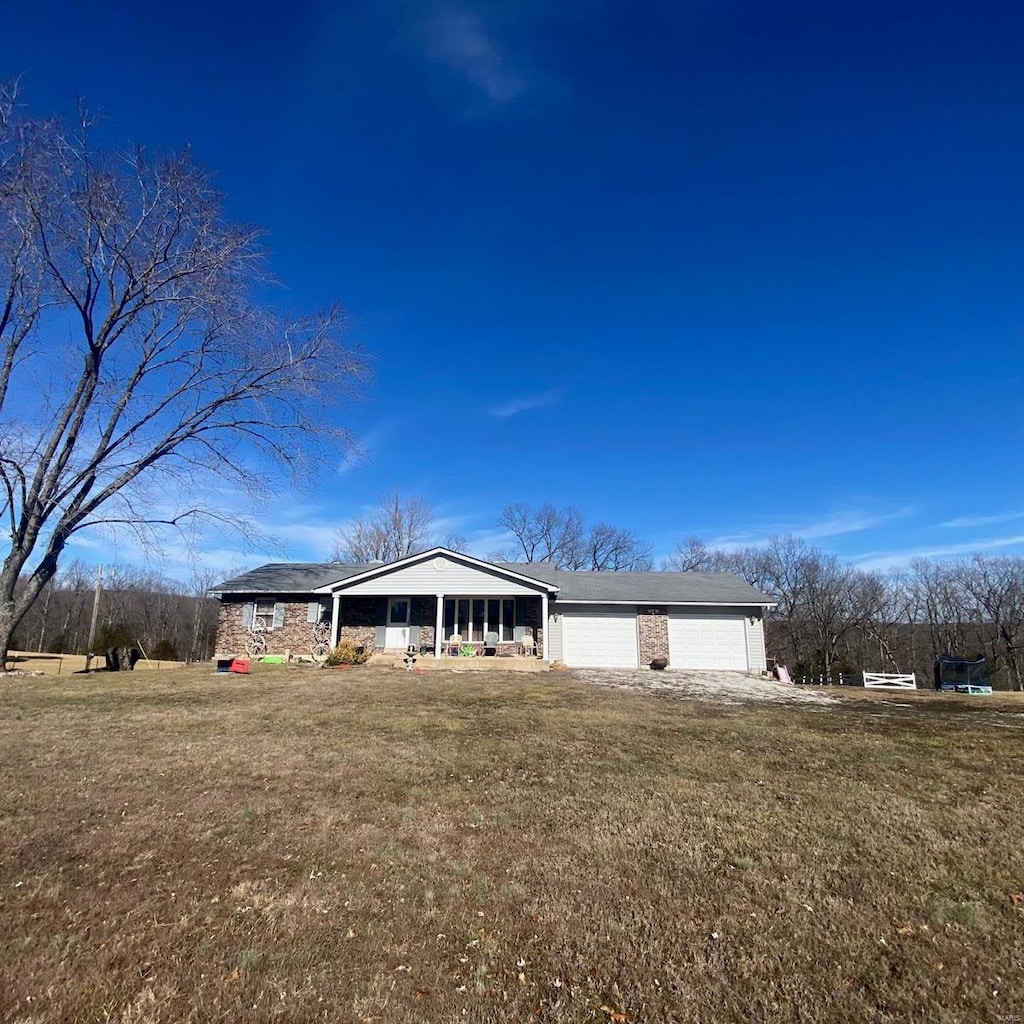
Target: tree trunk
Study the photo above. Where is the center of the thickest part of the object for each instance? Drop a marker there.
(6, 630)
(13, 607)
(43, 619)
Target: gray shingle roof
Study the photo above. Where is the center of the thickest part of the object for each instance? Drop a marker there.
(611, 587)
(645, 587)
(290, 577)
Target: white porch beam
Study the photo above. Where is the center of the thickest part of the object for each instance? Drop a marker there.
(544, 621)
(335, 616)
(439, 625)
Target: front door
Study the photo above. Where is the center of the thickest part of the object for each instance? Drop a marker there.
(396, 632)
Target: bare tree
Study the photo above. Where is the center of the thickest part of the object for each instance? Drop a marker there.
(562, 538)
(610, 548)
(454, 541)
(693, 555)
(203, 632)
(396, 528)
(888, 623)
(134, 363)
(544, 534)
(997, 585)
(837, 602)
(939, 596)
(822, 604)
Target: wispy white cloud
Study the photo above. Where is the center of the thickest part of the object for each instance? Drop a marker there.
(847, 522)
(457, 38)
(733, 541)
(834, 524)
(481, 543)
(968, 521)
(518, 405)
(899, 559)
(314, 540)
(87, 542)
(363, 446)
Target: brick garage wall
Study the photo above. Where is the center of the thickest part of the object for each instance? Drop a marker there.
(295, 634)
(652, 625)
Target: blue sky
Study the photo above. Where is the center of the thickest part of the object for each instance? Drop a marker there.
(725, 269)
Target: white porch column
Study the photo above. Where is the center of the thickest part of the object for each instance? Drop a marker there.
(544, 620)
(439, 625)
(335, 616)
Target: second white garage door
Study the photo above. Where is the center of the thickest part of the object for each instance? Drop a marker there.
(707, 641)
(600, 638)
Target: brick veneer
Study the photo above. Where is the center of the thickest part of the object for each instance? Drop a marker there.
(424, 614)
(295, 634)
(358, 623)
(652, 624)
(358, 620)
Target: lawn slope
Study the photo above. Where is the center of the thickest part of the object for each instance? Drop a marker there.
(303, 845)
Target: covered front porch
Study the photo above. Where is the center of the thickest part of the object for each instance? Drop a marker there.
(445, 605)
(463, 627)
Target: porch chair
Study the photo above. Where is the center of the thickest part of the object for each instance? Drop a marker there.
(490, 645)
(454, 644)
(529, 645)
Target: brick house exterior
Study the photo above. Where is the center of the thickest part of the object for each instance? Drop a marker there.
(595, 619)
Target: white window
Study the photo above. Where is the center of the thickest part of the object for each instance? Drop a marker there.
(474, 617)
(267, 614)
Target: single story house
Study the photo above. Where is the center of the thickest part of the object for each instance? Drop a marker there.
(588, 619)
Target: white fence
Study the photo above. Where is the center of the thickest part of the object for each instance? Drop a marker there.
(889, 681)
(872, 680)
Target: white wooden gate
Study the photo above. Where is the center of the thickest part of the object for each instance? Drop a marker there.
(890, 681)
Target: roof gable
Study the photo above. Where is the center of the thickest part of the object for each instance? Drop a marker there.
(429, 572)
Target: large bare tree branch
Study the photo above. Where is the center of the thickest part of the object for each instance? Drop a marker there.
(126, 291)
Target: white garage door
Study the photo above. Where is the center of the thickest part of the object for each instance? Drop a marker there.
(707, 641)
(600, 639)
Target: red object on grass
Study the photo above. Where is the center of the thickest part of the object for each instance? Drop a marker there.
(240, 665)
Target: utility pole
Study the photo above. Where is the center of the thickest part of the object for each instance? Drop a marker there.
(95, 615)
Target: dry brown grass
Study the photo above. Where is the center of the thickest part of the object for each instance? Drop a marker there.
(305, 845)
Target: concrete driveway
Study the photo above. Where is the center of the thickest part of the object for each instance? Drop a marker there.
(721, 687)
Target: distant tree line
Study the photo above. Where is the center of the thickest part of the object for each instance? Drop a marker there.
(167, 620)
(830, 618)
(833, 618)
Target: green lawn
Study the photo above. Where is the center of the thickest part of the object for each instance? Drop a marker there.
(305, 845)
